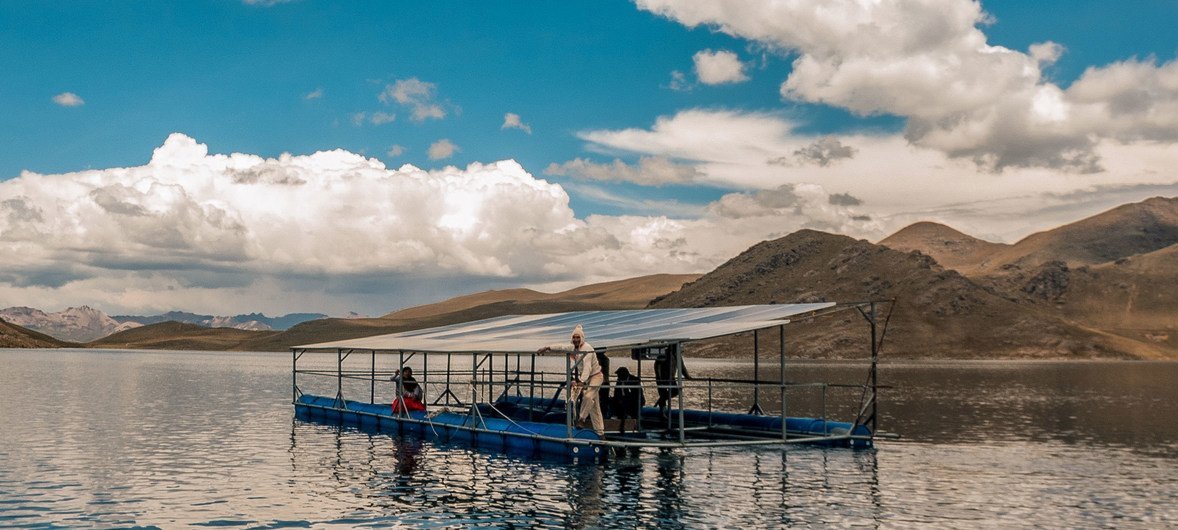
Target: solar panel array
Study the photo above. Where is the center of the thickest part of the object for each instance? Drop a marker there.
(603, 329)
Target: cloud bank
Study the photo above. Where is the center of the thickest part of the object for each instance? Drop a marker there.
(334, 231)
(928, 61)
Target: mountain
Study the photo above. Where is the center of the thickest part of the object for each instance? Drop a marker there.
(14, 336)
(938, 312)
(631, 293)
(1108, 272)
(178, 336)
(76, 324)
(251, 321)
(951, 249)
(1124, 231)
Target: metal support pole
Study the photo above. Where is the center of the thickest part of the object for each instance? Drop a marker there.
(339, 376)
(781, 351)
(679, 385)
(424, 376)
(294, 376)
(401, 382)
(372, 394)
(569, 401)
(532, 387)
(874, 370)
(474, 379)
(756, 408)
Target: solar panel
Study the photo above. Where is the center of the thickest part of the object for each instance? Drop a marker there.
(603, 329)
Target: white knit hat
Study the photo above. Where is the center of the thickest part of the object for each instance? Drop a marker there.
(579, 331)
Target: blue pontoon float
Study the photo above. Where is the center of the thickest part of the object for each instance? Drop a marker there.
(515, 405)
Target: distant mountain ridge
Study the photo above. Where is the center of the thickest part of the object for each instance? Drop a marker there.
(253, 321)
(85, 324)
(631, 293)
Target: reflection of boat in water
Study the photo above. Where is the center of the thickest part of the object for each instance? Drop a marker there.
(511, 403)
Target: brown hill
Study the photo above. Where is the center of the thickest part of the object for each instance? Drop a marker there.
(631, 293)
(174, 335)
(1124, 231)
(1105, 272)
(14, 336)
(622, 294)
(952, 249)
(938, 313)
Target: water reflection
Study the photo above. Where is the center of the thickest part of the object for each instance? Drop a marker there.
(122, 439)
(419, 481)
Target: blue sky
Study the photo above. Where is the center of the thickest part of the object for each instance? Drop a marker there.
(657, 137)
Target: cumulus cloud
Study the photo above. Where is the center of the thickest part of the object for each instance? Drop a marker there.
(395, 150)
(68, 99)
(650, 171)
(442, 149)
(314, 94)
(416, 95)
(929, 62)
(718, 67)
(512, 120)
(337, 231)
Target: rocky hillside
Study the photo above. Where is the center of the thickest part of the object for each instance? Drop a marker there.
(179, 336)
(14, 336)
(1109, 273)
(938, 312)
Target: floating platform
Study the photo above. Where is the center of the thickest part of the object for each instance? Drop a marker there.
(489, 403)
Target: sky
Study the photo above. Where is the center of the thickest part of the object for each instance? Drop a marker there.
(288, 156)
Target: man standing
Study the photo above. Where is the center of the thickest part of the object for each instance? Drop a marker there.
(587, 377)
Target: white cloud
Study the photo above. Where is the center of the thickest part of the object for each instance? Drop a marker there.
(381, 118)
(265, 3)
(336, 231)
(358, 118)
(718, 67)
(417, 95)
(512, 120)
(314, 94)
(395, 150)
(68, 99)
(442, 149)
(928, 61)
(679, 82)
(1046, 53)
(650, 171)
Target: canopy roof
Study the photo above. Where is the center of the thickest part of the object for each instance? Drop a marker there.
(603, 329)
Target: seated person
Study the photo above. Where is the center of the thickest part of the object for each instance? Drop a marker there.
(628, 396)
(411, 392)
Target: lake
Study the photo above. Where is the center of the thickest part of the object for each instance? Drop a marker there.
(110, 438)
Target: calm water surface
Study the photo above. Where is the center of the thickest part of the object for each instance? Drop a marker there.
(167, 439)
